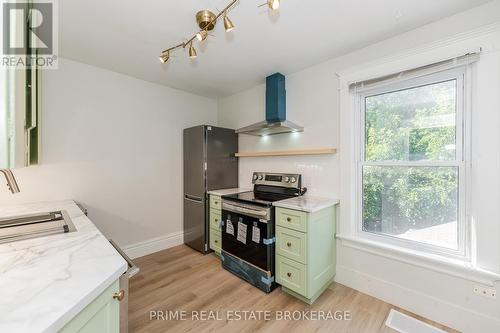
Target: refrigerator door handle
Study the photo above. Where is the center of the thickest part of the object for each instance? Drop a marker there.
(193, 198)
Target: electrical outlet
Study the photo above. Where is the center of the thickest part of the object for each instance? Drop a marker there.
(485, 291)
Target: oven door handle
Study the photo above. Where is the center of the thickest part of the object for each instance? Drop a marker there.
(132, 268)
(248, 211)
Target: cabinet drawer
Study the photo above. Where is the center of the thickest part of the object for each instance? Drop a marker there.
(215, 218)
(215, 202)
(292, 219)
(291, 274)
(215, 240)
(291, 244)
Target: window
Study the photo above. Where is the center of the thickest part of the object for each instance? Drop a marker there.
(411, 166)
(20, 108)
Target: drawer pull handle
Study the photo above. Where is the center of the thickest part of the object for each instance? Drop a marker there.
(289, 219)
(216, 202)
(216, 241)
(119, 295)
(288, 244)
(289, 274)
(216, 220)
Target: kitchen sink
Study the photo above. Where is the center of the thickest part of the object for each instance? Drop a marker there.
(35, 225)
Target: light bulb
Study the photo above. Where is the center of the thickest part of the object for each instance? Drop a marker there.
(273, 4)
(202, 35)
(164, 56)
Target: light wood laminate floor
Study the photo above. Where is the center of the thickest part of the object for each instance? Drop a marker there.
(180, 279)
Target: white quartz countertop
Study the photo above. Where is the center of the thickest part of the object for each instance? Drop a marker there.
(45, 282)
(306, 203)
(228, 191)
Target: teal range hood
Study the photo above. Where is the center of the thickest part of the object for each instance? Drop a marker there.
(276, 122)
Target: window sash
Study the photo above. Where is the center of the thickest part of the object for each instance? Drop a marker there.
(457, 62)
(454, 74)
(459, 75)
(415, 163)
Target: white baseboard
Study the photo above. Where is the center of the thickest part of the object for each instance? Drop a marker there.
(154, 245)
(451, 315)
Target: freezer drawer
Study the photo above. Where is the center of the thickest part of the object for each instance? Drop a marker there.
(195, 226)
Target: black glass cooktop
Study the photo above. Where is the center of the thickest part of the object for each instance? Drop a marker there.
(263, 198)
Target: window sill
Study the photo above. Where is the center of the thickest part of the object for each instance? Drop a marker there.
(452, 267)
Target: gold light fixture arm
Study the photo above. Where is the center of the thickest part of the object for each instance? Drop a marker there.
(174, 47)
(211, 22)
(206, 21)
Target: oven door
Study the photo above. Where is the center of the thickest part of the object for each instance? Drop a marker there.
(248, 233)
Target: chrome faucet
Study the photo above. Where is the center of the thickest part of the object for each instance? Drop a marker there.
(11, 180)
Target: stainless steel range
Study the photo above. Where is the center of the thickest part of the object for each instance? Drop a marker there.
(248, 230)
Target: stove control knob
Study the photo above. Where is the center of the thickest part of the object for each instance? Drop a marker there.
(261, 177)
(293, 179)
(287, 179)
(255, 176)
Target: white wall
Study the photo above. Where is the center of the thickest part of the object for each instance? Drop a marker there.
(114, 144)
(309, 103)
(3, 120)
(313, 101)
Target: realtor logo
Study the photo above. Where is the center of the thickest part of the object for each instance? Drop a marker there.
(29, 34)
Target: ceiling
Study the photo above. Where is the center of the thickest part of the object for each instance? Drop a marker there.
(128, 36)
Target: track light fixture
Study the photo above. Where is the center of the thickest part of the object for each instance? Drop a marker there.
(206, 22)
(228, 24)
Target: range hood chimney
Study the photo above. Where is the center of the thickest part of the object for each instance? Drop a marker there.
(276, 122)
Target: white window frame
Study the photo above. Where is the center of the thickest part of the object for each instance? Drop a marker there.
(462, 75)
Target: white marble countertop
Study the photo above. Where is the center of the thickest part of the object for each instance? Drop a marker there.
(228, 191)
(306, 203)
(45, 282)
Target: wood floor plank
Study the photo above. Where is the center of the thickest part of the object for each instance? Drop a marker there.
(181, 279)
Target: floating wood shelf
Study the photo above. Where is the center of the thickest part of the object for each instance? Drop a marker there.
(322, 151)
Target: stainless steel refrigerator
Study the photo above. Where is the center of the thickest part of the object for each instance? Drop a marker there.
(209, 164)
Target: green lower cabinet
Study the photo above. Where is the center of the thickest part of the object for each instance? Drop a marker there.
(215, 202)
(215, 223)
(215, 218)
(291, 244)
(102, 315)
(291, 274)
(215, 240)
(305, 252)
